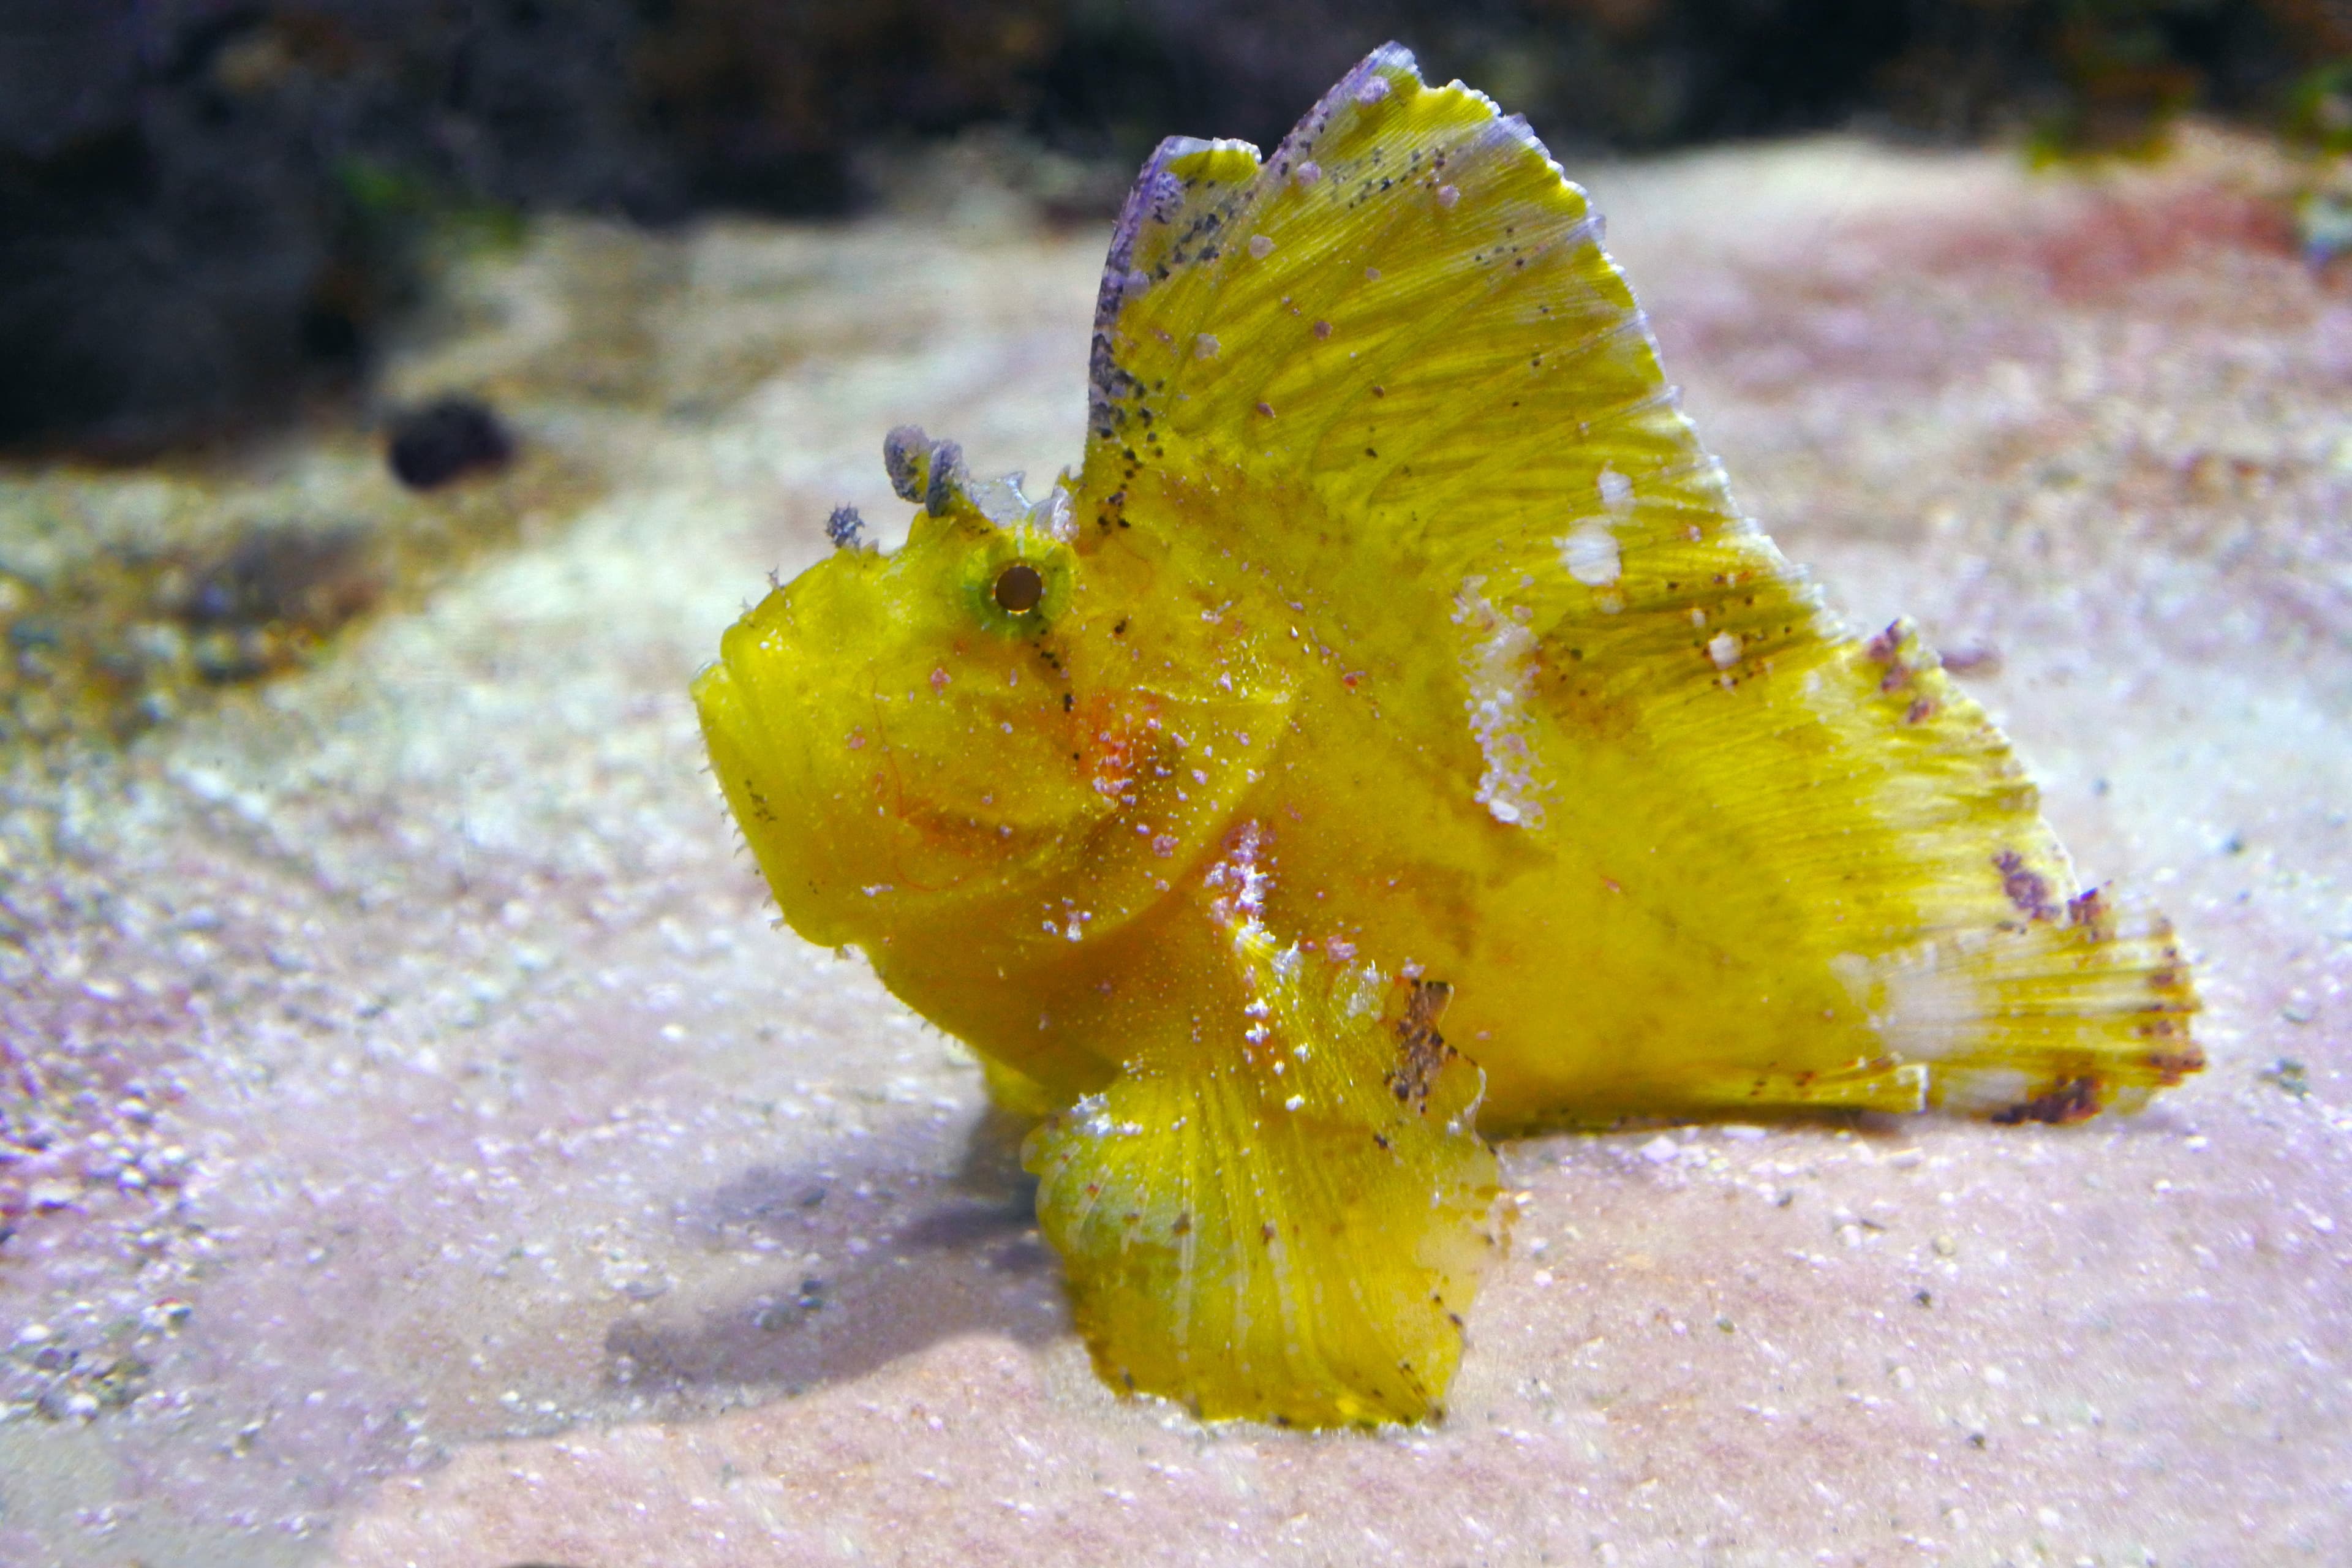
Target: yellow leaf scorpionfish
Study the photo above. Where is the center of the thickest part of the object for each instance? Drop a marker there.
(1392, 737)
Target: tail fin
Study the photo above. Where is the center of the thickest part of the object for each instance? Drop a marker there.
(2071, 1009)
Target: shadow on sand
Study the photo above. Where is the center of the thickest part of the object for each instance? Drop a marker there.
(873, 1264)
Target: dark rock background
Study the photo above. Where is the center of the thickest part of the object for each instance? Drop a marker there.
(210, 208)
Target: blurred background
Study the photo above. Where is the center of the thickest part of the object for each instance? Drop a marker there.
(211, 208)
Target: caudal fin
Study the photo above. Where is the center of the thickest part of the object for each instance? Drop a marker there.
(2074, 1008)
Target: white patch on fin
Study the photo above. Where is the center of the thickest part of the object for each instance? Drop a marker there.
(1590, 554)
(1498, 666)
(1923, 1002)
(1616, 490)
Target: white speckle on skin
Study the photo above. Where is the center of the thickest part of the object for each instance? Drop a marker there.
(1261, 246)
(1447, 195)
(1294, 1102)
(1616, 490)
(1204, 346)
(1374, 90)
(1237, 884)
(1590, 554)
(1723, 648)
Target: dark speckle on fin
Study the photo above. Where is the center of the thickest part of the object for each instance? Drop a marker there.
(2076, 1100)
(844, 527)
(2026, 887)
(1421, 1051)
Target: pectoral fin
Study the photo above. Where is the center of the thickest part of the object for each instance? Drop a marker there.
(1293, 1231)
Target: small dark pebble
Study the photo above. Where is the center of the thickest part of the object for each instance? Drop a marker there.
(2291, 1077)
(446, 440)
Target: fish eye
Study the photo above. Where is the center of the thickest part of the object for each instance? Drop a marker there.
(1019, 588)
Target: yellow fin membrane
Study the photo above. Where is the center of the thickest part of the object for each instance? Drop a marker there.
(1293, 1233)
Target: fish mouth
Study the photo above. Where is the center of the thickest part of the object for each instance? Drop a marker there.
(880, 782)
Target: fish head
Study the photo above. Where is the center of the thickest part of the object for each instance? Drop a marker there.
(896, 731)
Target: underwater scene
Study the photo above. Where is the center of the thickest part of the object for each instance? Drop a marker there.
(1302, 783)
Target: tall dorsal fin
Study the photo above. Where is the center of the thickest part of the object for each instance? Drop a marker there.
(1406, 309)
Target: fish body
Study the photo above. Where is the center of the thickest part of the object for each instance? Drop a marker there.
(1390, 736)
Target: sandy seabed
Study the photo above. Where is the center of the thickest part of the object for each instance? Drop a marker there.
(465, 1172)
